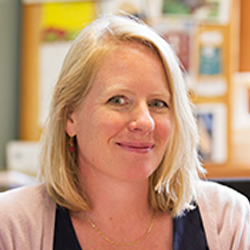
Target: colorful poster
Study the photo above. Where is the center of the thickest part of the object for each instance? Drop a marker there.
(187, 7)
(179, 34)
(214, 10)
(60, 24)
(212, 125)
(210, 66)
(180, 42)
(210, 60)
(62, 21)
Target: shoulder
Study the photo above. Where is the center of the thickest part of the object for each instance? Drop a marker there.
(26, 214)
(25, 199)
(208, 192)
(225, 214)
(221, 201)
(22, 192)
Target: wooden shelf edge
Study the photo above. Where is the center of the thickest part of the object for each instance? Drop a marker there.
(228, 171)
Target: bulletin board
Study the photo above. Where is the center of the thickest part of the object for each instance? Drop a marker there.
(210, 56)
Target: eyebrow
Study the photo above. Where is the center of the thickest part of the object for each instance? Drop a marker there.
(164, 93)
(122, 88)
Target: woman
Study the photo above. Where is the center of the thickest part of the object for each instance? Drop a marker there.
(119, 156)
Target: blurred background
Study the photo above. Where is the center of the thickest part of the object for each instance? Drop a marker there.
(210, 37)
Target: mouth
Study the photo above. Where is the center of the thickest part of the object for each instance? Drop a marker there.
(136, 147)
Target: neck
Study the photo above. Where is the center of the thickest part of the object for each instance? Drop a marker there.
(120, 208)
(114, 198)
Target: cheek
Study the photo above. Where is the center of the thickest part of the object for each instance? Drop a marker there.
(106, 124)
(114, 120)
(164, 129)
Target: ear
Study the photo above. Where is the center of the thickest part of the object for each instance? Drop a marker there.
(70, 126)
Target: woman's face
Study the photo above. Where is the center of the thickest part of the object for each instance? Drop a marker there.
(124, 124)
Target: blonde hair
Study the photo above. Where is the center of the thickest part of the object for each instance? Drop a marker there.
(172, 185)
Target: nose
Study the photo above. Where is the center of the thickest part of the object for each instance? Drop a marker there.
(141, 120)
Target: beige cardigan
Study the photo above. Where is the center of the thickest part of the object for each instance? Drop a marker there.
(27, 218)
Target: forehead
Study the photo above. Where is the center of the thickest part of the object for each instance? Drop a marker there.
(123, 53)
(130, 63)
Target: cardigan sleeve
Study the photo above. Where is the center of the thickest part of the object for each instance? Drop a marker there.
(26, 219)
(226, 216)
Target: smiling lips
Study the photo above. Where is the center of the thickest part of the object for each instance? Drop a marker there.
(137, 147)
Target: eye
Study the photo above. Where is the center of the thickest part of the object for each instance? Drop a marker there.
(118, 100)
(159, 104)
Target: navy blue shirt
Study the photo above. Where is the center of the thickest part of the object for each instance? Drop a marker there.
(189, 233)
